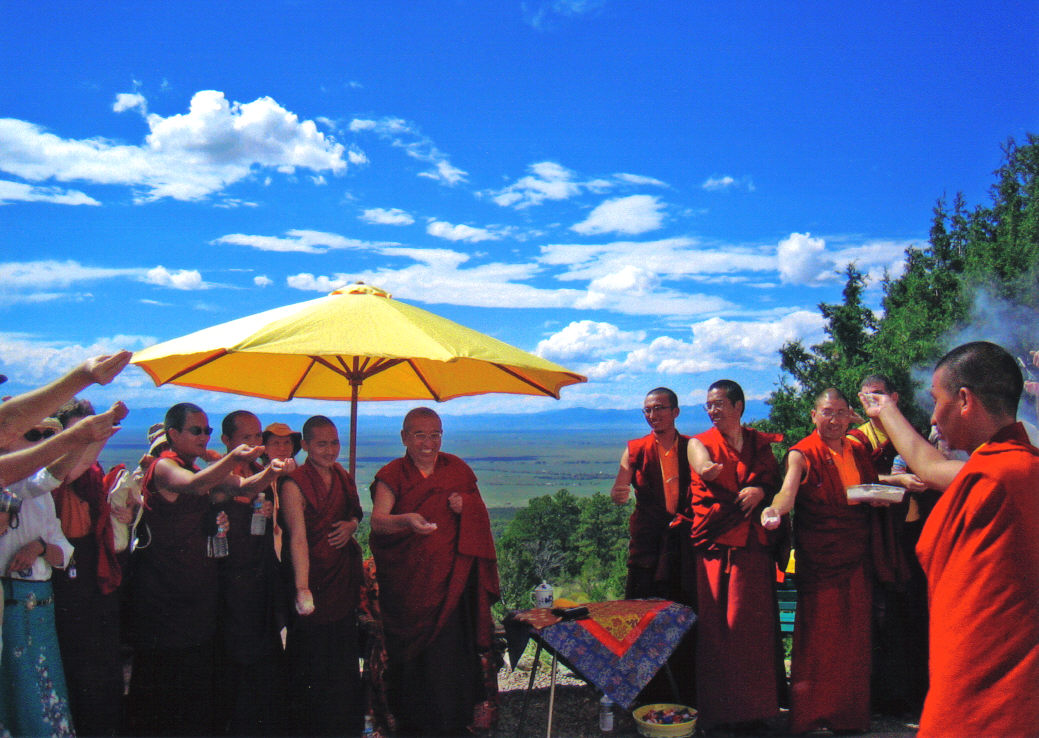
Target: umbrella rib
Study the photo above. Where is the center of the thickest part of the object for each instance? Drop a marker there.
(432, 393)
(526, 380)
(302, 377)
(197, 364)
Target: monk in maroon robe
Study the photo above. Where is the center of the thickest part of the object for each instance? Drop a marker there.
(173, 604)
(438, 577)
(321, 511)
(979, 547)
(734, 472)
(840, 547)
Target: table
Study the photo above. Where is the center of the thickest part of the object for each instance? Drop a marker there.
(618, 648)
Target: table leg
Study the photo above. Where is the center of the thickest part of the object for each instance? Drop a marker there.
(530, 685)
(551, 696)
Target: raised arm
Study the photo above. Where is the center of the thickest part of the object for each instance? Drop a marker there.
(291, 500)
(621, 489)
(783, 502)
(171, 477)
(927, 462)
(22, 412)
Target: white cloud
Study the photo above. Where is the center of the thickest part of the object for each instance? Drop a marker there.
(309, 283)
(130, 101)
(544, 14)
(296, 240)
(29, 360)
(20, 192)
(629, 279)
(384, 216)
(262, 280)
(717, 184)
(631, 215)
(587, 339)
(186, 156)
(639, 180)
(43, 275)
(547, 181)
(407, 136)
(460, 232)
(180, 279)
(357, 157)
(804, 260)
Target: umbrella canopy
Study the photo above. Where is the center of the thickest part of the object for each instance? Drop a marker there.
(353, 344)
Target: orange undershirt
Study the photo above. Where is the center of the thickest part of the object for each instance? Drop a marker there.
(669, 471)
(846, 467)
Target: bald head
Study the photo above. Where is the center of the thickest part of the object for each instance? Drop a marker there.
(989, 371)
(831, 394)
(416, 414)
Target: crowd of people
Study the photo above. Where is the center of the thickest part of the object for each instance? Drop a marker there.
(928, 604)
(238, 581)
(240, 592)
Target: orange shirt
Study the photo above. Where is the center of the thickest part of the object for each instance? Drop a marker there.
(846, 467)
(669, 470)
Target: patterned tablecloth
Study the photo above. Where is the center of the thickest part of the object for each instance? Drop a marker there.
(618, 647)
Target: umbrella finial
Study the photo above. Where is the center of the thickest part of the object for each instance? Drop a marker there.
(360, 288)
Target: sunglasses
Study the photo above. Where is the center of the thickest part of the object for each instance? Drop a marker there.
(35, 434)
(198, 430)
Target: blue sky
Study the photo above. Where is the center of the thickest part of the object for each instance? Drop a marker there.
(645, 192)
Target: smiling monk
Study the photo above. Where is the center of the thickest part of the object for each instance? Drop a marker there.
(438, 577)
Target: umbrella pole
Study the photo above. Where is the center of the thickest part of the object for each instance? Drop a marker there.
(354, 390)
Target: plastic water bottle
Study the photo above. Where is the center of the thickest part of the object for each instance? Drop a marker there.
(216, 545)
(606, 715)
(258, 523)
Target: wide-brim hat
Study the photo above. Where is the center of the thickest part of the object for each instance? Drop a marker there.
(281, 430)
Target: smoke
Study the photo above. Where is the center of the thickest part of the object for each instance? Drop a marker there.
(1013, 326)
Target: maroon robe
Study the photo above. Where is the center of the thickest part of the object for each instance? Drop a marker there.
(335, 573)
(830, 661)
(422, 577)
(655, 546)
(736, 648)
(980, 550)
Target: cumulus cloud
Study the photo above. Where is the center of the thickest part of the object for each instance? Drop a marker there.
(407, 136)
(716, 344)
(630, 215)
(28, 360)
(803, 260)
(179, 279)
(295, 240)
(21, 192)
(186, 156)
(262, 280)
(130, 101)
(460, 232)
(384, 216)
(587, 339)
(547, 181)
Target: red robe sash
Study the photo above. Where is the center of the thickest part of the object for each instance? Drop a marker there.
(423, 577)
(980, 551)
(649, 524)
(717, 517)
(335, 573)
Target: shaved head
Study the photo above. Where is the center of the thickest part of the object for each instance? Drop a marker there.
(833, 394)
(419, 412)
(987, 370)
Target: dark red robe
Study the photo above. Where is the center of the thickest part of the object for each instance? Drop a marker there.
(830, 661)
(980, 551)
(335, 573)
(436, 592)
(656, 555)
(736, 649)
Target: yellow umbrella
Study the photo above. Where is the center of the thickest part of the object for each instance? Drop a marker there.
(353, 344)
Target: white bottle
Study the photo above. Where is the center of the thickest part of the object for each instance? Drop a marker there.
(606, 715)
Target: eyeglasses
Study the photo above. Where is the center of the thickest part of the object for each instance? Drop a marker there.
(831, 414)
(198, 430)
(650, 409)
(436, 436)
(35, 434)
(718, 405)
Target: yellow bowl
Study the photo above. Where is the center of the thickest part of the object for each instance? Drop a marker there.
(657, 730)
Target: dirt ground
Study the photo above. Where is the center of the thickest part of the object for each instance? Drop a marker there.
(576, 710)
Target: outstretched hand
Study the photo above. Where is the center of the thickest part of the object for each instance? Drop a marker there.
(103, 369)
(711, 471)
(875, 403)
(245, 452)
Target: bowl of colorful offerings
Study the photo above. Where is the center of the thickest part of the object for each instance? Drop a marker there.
(664, 720)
